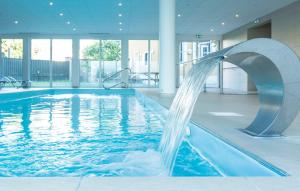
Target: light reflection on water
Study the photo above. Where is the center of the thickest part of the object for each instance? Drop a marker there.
(86, 135)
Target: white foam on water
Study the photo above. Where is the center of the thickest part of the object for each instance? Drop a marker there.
(138, 163)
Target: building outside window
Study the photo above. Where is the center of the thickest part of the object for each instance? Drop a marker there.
(190, 53)
(144, 63)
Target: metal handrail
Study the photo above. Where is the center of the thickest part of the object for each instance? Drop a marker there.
(149, 76)
(115, 75)
(189, 61)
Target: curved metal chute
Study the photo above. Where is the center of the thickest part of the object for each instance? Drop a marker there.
(274, 68)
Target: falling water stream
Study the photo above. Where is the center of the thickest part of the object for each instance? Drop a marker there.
(182, 108)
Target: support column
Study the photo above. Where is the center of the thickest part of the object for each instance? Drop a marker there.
(26, 61)
(167, 37)
(221, 72)
(124, 60)
(75, 63)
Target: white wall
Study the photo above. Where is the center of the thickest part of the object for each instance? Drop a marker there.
(234, 37)
(285, 27)
(234, 78)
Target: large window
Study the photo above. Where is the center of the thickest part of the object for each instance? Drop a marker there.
(11, 55)
(213, 80)
(61, 62)
(51, 62)
(188, 55)
(190, 52)
(154, 63)
(40, 62)
(90, 67)
(110, 60)
(143, 62)
(98, 61)
(138, 62)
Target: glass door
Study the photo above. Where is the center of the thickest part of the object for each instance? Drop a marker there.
(61, 62)
(213, 80)
(40, 62)
(110, 61)
(154, 63)
(189, 54)
(90, 66)
(12, 57)
(144, 63)
(139, 62)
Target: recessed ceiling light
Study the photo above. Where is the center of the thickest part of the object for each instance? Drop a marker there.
(121, 29)
(223, 23)
(16, 22)
(256, 21)
(51, 3)
(68, 22)
(179, 15)
(120, 23)
(120, 4)
(74, 29)
(237, 15)
(120, 15)
(61, 14)
(211, 30)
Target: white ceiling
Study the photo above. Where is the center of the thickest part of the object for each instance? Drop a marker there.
(139, 16)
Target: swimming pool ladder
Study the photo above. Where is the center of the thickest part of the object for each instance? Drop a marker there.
(121, 83)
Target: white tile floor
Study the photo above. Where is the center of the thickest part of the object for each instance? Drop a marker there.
(39, 184)
(151, 184)
(283, 152)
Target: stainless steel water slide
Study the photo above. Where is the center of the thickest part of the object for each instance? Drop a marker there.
(275, 70)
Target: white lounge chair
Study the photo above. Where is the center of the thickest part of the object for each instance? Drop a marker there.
(4, 80)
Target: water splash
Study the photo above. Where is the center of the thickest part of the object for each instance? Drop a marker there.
(137, 163)
(182, 107)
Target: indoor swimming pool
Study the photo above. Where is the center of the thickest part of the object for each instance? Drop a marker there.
(92, 132)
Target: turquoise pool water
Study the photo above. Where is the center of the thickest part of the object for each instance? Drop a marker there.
(89, 133)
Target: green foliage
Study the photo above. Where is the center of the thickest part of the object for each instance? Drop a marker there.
(92, 52)
(110, 51)
(12, 48)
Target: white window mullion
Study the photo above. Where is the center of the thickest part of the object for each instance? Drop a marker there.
(51, 64)
(149, 62)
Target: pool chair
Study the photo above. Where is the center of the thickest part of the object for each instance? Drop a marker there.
(8, 80)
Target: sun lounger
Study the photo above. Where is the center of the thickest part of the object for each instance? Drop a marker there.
(8, 80)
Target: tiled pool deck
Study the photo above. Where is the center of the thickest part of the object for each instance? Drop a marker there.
(236, 112)
(149, 184)
(283, 152)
